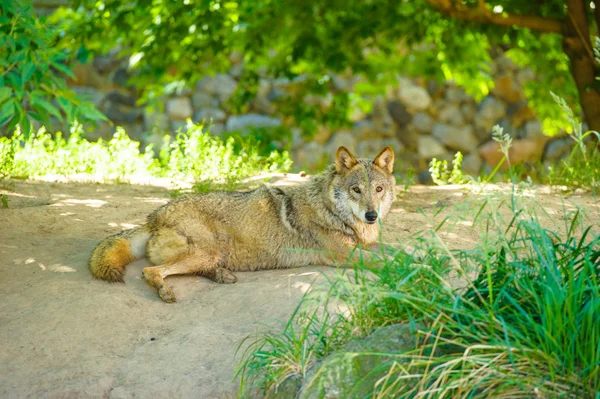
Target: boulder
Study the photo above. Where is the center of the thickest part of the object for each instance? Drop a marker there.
(203, 100)
(429, 147)
(451, 114)
(207, 114)
(312, 157)
(471, 164)
(423, 122)
(414, 97)
(353, 370)
(220, 85)
(243, 122)
(456, 138)
(399, 113)
(489, 113)
(179, 108)
(508, 89)
(521, 151)
(370, 148)
(341, 138)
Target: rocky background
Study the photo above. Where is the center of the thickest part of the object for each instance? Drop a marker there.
(420, 119)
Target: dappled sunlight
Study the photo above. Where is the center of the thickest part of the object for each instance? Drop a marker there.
(92, 203)
(151, 200)
(123, 225)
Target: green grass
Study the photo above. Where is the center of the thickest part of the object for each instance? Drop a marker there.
(524, 323)
(193, 154)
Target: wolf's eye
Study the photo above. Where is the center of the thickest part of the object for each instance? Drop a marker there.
(379, 189)
(356, 190)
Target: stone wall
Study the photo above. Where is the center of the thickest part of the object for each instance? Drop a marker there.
(420, 119)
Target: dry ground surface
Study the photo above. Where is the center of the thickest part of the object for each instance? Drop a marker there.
(64, 334)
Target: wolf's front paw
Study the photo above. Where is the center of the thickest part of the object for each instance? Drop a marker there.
(224, 276)
(166, 294)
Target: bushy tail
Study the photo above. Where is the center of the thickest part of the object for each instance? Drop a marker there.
(110, 257)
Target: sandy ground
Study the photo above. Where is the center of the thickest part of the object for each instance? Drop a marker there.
(64, 334)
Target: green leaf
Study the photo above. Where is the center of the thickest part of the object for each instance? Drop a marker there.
(88, 110)
(64, 69)
(27, 71)
(51, 109)
(25, 126)
(7, 110)
(5, 93)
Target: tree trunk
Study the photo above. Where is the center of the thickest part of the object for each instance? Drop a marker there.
(577, 46)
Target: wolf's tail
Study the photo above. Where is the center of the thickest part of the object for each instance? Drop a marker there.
(110, 257)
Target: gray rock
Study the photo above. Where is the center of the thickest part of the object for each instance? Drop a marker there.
(370, 148)
(243, 122)
(216, 129)
(468, 111)
(533, 129)
(456, 138)
(471, 164)
(383, 122)
(312, 157)
(414, 97)
(207, 114)
(456, 94)
(525, 75)
(90, 94)
(490, 112)
(203, 100)
(179, 108)
(451, 114)
(399, 113)
(353, 370)
(429, 147)
(423, 122)
(365, 130)
(341, 138)
(220, 85)
(156, 122)
(558, 148)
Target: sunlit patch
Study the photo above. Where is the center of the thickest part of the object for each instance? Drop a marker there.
(29, 261)
(67, 214)
(111, 224)
(152, 200)
(58, 268)
(128, 225)
(303, 287)
(42, 266)
(92, 203)
(11, 194)
(466, 223)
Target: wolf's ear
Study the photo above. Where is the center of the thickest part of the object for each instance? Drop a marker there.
(344, 160)
(385, 159)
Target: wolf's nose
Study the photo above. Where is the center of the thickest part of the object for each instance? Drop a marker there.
(371, 216)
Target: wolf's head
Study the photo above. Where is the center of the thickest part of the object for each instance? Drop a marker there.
(363, 189)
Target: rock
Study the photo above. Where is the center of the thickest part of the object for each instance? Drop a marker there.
(178, 125)
(121, 76)
(203, 100)
(429, 147)
(456, 95)
(156, 122)
(220, 85)
(261, 103)
(456, 138)
(490, 112)
(451, 114)
(370, 148)
(533, 130)
(468, 111)
(414, 97)
(423, 122)
(353, 370)
(243, 122)
(179, 108)
(382, 121)
(408, 137)
(237, 70)
(365, 130)
(505, 64)
(235, 57)
(558, 148)
(214, 114)
(311, 156)
(120, 113)
(287, 389)
(525, 75)
(522, 115)
(297, 137)
(86, 75)
(216, 129)
(471, 164)
(341, 138)
(521, 151)
(399, 113)
(433, 87)
(507, 89)
(322, 135)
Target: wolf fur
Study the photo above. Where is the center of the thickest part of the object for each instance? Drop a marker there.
(320, 222)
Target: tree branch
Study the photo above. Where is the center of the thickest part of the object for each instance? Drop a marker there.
(482, 14)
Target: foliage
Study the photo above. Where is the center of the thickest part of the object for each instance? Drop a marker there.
(192, 154)
(527, 323)
(582, 168)
(297, 39)
(442, 176)
(33, 71)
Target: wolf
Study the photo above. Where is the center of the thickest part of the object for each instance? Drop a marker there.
(319, 222)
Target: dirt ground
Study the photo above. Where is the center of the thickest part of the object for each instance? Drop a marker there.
(66, 335)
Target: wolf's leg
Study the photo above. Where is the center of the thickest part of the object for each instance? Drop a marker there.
(221, 275)
(197, 263)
